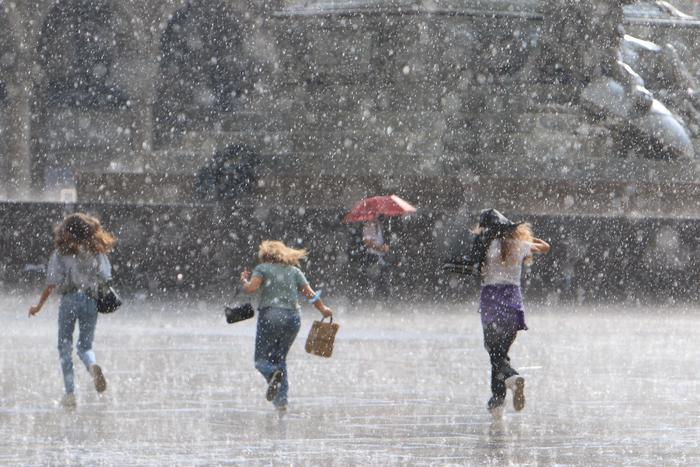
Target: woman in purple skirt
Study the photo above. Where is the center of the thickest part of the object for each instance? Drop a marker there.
(508, 246)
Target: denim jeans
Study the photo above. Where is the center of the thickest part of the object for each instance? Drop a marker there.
(277, 329)
(497, 340)
(76, 307)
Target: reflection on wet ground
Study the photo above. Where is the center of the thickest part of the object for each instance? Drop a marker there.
(605, 385)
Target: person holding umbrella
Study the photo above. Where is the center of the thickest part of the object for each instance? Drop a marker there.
(372, 212)
(507, 246)
(375, 265)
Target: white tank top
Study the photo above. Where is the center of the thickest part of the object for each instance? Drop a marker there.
(508, 272)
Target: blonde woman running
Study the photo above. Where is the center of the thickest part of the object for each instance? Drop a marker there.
(279, 280)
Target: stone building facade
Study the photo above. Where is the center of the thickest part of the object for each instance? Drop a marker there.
(439, 100)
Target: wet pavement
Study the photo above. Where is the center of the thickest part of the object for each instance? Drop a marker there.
(605, 385)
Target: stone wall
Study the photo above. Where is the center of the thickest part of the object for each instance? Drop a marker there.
(379, 99)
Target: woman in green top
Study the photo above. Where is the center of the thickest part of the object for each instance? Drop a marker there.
(279, 280)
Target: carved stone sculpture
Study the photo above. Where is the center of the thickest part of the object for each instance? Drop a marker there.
(583, 44)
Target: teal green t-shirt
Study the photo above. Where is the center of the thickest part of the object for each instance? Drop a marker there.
(281, 284)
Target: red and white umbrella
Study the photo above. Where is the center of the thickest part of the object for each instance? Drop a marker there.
(369, 209)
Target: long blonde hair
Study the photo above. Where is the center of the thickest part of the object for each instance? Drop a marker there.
(273, 251)
(82, 232)
(522, 232)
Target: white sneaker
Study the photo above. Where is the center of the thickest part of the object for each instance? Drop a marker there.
(496, 407)
(497, 412)
(516, 383)
(68, 400)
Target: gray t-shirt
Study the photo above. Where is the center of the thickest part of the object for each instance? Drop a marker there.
(78, 272)
(281, 284)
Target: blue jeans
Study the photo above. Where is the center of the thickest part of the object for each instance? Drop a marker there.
(277, 329)
(76, 307)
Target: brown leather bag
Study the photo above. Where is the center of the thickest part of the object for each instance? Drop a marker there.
(321, 338)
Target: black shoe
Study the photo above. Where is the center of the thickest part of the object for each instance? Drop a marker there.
(273, 385)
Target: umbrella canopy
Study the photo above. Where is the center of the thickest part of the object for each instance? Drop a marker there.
(369, 208)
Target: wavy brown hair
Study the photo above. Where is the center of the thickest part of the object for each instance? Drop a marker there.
(273, 251)
(523, 232)
(82, 232)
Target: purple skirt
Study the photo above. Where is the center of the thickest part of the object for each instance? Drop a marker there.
(502, 304)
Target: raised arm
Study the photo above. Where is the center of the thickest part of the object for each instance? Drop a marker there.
(539, 246)
(250, 286)
(309, 293)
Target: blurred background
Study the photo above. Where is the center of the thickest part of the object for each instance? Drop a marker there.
(195, 129)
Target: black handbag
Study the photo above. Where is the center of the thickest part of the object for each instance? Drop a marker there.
(239, 312)
(107, 299)
(468, 264)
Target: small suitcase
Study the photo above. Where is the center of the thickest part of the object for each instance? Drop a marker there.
(321, 338)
